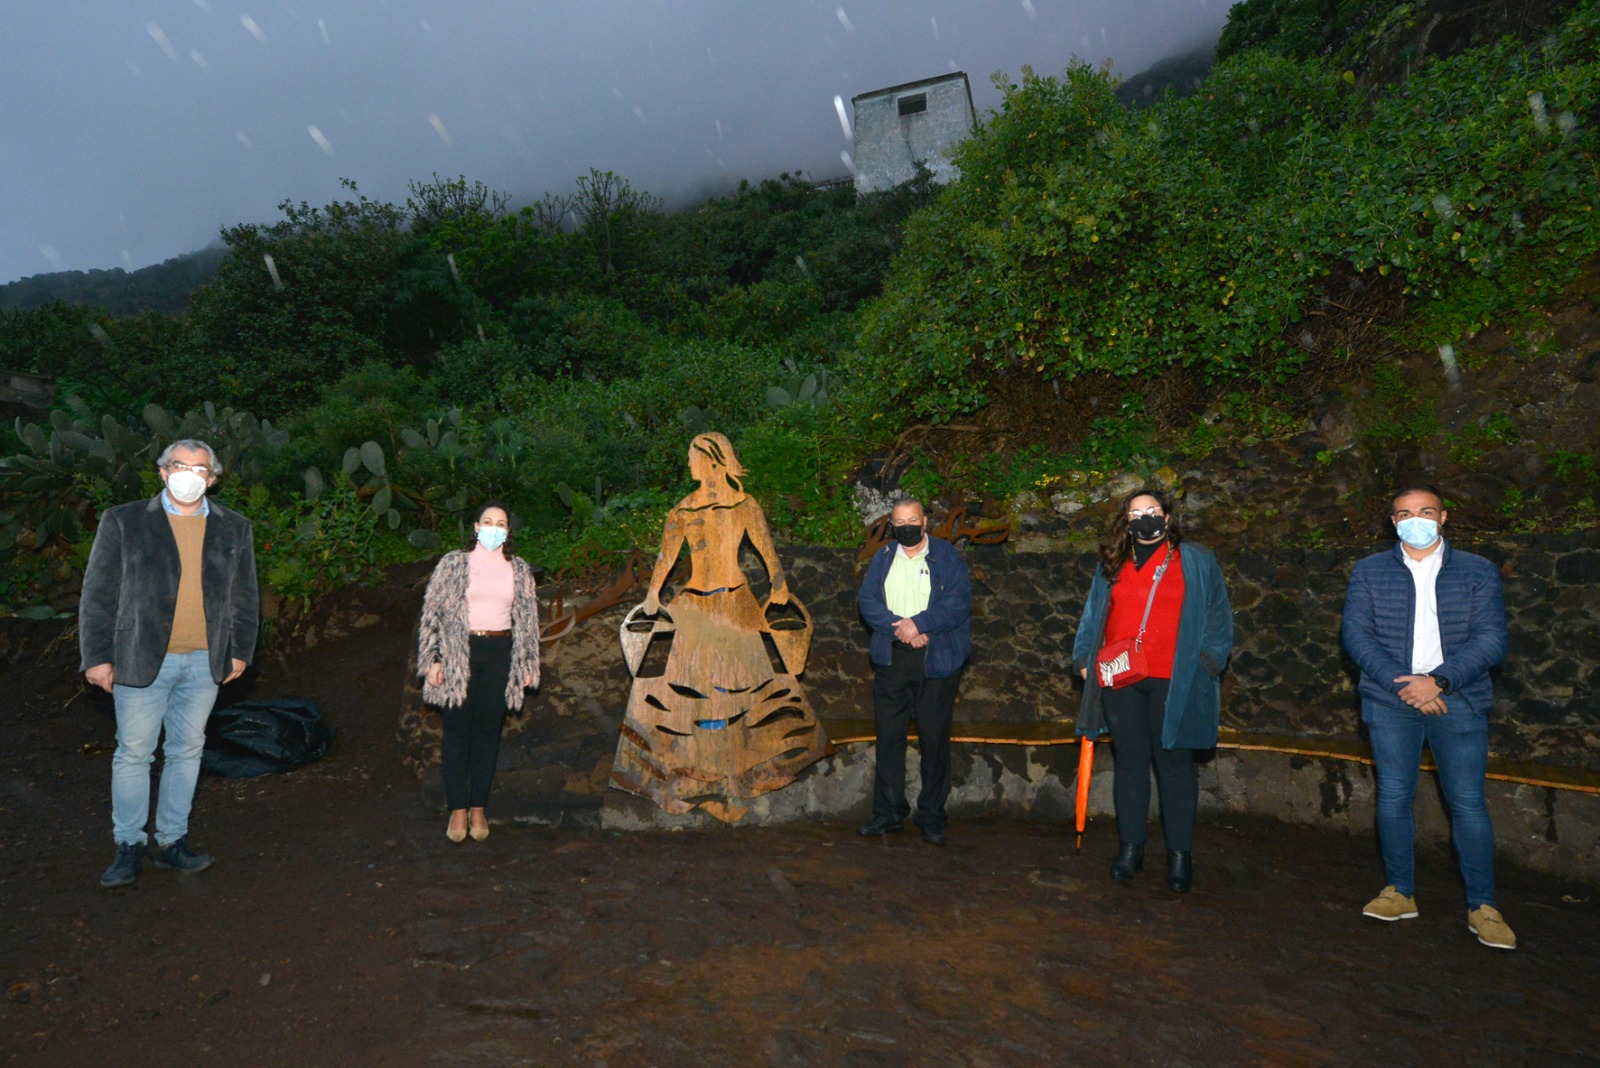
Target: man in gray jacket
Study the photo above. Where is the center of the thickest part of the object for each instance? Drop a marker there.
(168, 614)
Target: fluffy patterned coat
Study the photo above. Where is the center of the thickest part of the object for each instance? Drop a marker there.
(444, 632)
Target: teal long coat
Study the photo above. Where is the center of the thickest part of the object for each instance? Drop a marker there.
(1205, 640)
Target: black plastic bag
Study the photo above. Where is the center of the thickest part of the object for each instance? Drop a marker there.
(264, 737)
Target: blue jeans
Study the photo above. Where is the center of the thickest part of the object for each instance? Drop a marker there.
(180, 700)
(1460, 745)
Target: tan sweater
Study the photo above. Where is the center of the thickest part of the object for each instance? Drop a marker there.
(189, 615)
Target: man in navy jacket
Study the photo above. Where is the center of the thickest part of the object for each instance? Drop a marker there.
(1425, 622)
(917, 598)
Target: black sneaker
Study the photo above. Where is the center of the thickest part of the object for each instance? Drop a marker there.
(176, 856)
(125, 868)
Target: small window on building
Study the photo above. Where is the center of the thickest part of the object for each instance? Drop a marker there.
(911, 105)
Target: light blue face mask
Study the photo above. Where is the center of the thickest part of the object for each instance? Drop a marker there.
(491, 538)
(1417, 532)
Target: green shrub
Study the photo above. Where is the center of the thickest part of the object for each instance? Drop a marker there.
(300, 302)
(800, 472)
(1082, 238)
(370, 402)
(1398, 417)
(79, 463)
(1468, 444)
(307, 548)
(767, 311)
(1573, 467)
(1258, 416)
(470, 372)
(580, 335)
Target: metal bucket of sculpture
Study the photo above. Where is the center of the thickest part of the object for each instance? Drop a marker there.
(636, 631)
(791, 635)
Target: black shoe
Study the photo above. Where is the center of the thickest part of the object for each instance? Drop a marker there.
(878, 826)
(1130, 858)
(125, 868)
(176, 856)
(1180, 870)
(933, 836)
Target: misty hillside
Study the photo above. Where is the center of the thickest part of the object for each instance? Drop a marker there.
(1382, 41)
(1105, 293)
(167, 287)
(1182, 74)
(162, 287)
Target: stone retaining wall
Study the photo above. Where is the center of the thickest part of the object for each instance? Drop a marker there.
(1289, 673)
(1554, 831)
(1289, 677)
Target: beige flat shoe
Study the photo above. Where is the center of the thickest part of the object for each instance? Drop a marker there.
(479, 831)
(454, 833)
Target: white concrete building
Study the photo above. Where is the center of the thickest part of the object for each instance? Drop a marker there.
(922, 120)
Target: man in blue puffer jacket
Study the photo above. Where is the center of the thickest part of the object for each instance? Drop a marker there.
(1425, 622)
(917, 598)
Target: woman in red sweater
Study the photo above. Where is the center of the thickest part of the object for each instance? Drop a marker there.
(1155, 635)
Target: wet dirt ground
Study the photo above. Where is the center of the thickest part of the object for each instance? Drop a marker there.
(810, 946)
(339, 927)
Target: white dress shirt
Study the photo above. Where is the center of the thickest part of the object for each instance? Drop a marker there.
(1427, 652)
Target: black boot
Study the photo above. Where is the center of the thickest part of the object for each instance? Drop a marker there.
(1180, 870)
(1130, 858)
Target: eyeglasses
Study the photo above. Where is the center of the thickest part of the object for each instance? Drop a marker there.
(200, 469)
(1140, 513)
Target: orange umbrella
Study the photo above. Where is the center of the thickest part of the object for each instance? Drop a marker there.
(1085, 772)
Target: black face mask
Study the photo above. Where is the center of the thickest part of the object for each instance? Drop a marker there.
(1148, 527)
(907, 534)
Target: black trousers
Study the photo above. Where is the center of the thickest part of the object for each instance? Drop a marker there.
(901, 692)
(1135, 714)
(471, 745)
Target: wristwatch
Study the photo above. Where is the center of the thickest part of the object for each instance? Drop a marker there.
(1441, 682)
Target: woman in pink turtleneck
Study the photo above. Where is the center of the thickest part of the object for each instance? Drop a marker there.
(477, 651)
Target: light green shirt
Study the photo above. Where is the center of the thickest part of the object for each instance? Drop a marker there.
(907, 586)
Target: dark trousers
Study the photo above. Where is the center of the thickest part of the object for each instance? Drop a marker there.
(471, 744)
(1135, 714)
(901, 692)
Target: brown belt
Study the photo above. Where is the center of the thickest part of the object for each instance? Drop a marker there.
(490, 633)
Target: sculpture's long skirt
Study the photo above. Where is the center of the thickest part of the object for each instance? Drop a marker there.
(723, 721)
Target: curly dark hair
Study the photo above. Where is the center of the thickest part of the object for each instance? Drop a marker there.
(506, 549)
(1117, 546)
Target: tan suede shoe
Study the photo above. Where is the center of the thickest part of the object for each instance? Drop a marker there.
(1391, 905)
(1485, 922)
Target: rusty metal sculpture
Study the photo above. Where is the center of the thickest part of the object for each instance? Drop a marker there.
(723, 722)
(560, 620)
(951, 527)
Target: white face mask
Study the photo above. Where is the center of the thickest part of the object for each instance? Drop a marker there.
(186, 487)
(491, 538)
(1417, 532)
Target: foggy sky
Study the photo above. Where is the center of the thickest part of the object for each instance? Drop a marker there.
(133, 130)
